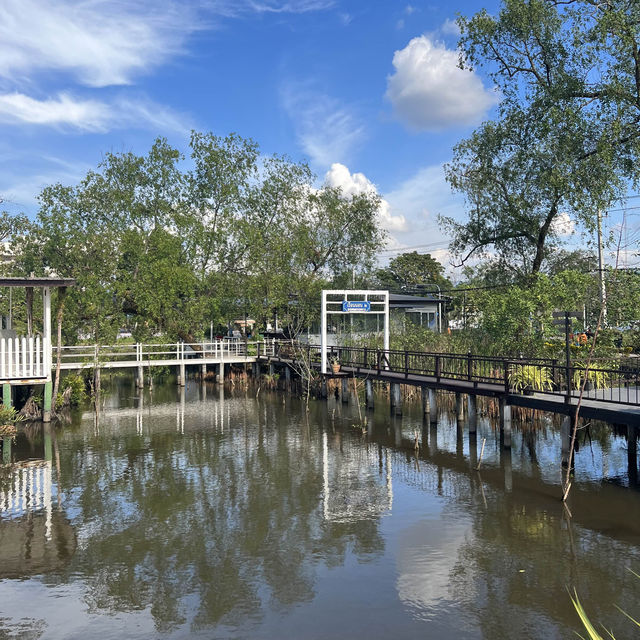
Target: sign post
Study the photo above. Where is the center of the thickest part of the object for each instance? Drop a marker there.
(563, 319)
(350, 301)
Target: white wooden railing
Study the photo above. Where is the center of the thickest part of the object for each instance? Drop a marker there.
(23, 358)
(127, 355)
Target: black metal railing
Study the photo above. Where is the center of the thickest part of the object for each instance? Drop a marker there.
(616, 381)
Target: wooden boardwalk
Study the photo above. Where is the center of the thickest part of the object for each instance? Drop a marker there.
(619, 404)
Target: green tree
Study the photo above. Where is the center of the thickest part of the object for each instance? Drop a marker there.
(410, 271)
(567, 139)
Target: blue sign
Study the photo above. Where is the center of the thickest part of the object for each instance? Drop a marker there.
(356, 306)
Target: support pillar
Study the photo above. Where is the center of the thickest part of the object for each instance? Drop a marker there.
(140, 378)
(433, 407)
(472, 410)
(505, 423)
(6, 449)
(425, 402)
(46, 402)
(459, 408)
(203, 371)
(345, 390)
(323, 388)
(565, 441)
(396, 399)
(287, 376)
(473, 449)
(6, 395)
(632, 454)
(182, 376)
(368, 394)
(272, 369)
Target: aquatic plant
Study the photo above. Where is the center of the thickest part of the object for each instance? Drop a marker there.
(526, 376)
(599, 379)
(592, 632)
(9, 417)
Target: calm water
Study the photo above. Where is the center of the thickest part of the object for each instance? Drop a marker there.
(213, 514)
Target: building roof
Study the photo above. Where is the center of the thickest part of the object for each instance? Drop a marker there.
(37, 282)
(402, 300)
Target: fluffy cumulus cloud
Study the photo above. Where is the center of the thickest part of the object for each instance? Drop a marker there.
(429, 92)
(356, 183)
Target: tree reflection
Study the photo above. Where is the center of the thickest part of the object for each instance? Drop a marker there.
(210, 527)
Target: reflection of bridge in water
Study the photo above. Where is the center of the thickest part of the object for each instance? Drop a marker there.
(35, 536)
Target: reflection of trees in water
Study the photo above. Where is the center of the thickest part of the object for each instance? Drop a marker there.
(515, 569)
(209, 518)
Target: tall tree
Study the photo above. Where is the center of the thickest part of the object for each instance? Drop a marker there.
(412, 271)
(567, 139)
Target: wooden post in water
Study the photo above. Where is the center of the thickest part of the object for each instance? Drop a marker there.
(505, 423)
(459, 408)
(287, 376)
(396, 399)
(46, 402)
(6, 395)
(433, 407)
(472, 409)
(473, 449)
(203, 371)
(323, 388)
(368, 393)
(425, 402)
(344, 395)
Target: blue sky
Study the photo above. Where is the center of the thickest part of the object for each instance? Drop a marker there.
(367, 91)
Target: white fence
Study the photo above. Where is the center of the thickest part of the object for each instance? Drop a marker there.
(139, 354)
(23, 358)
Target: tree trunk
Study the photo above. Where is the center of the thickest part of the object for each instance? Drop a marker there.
(542, 237)
(62, 294)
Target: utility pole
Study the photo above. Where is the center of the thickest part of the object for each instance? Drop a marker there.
(602, 286)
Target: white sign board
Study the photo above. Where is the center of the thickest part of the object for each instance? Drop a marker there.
(350, 301)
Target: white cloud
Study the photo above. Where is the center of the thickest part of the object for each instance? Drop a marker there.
(429, 92)
(450, 28)
(67, 112)
(297, 6)
(110, 42)
(563, 225)
(326, 130)
(100, 42)
(357, 183)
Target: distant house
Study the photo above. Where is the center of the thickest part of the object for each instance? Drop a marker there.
(424, 311)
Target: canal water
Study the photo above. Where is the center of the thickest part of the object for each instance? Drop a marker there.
(213, 513)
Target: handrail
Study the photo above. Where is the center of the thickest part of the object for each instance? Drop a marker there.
(618, 383)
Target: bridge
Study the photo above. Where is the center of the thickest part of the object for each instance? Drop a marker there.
(614, 395)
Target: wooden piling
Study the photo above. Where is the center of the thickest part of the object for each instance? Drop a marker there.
(396, 399)
(425, 401)
(368, 394)
(344, 395)
(472, 410)
(459, 407)
(505, 423)
(565, 440)
(433, 407)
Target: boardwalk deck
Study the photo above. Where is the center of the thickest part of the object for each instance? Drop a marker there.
(593, 405)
